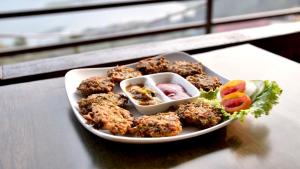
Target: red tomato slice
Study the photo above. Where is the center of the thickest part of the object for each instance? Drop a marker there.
(236, 101)
(233, 86)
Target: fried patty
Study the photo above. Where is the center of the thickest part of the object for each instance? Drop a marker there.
(120, 73)
(85, 104)
(159, 125)
(153, 65)
(199, 114)
(184, 68)
(113, 118)
(204, 82)
(95, 85)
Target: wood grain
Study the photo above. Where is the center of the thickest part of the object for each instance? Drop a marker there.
(39, 129)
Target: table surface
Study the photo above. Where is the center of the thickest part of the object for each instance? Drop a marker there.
(39, 130)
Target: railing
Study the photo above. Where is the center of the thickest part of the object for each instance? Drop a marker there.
(277, 39)
(208, 23)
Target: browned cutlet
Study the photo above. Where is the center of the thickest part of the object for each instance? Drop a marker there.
(110, 117)
(153, 65)
(95, 85)
(159, 125)
(205, 82)
(120, 73)
(85, 104)
(184, 68)
(199, 114)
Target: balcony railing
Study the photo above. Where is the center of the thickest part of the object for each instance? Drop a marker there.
(280, 39)
(207, 24)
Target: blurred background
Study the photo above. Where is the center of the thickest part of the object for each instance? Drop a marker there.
(35, 29)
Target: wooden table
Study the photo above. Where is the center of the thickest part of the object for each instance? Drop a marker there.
(39, 130)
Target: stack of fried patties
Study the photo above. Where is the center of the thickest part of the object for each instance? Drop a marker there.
(104, 109)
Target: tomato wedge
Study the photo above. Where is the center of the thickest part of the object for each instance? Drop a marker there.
(232, 86)
(236, 101)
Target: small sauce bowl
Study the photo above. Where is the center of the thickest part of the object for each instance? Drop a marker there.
(151, 82)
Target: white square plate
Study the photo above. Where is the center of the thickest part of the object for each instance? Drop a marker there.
(74, 77)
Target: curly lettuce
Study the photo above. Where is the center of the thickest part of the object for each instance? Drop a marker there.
(210, 95)
(261, 105)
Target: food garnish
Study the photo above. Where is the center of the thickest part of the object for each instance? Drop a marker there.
(236, 101)
(233, 86)
(263, 94)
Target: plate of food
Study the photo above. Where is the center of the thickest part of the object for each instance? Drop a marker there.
(162, 99)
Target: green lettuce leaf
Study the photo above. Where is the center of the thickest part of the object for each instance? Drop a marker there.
(262, 104)
(210, 95)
